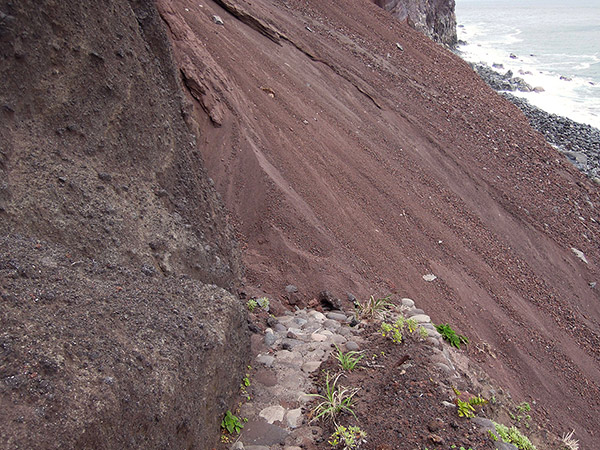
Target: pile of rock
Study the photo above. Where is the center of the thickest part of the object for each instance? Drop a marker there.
(502, 82)
(580, 143)
(291, 349)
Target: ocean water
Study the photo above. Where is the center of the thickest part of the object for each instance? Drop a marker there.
(550, 39)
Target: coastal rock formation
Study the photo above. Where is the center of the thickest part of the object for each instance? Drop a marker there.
(109, 230)
(434, 18)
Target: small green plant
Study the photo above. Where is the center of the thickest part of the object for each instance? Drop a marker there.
(231, 423)
(351, 437)
(493, 437)
(394, 332)
(523, 407)
(513, 436)
(569, 442)
(374, 308)
(244, 385)
(477, 401)
(251, 304)
(465, 409)
(450, 335)
(348, 361)
(412, 325)
(335, 400)
(262, 302)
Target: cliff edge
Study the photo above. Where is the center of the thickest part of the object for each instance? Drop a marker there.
(434, 18)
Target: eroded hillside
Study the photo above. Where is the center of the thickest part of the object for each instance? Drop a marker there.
(358, 156)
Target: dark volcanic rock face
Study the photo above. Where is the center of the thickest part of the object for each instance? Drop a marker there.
(434, 18)
(97, 154)
(109, 228)
(99, 356)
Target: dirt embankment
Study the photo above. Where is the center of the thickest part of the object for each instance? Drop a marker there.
(109, 228)
(358, 156)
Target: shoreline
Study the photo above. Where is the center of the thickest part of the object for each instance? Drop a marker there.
(578, 142)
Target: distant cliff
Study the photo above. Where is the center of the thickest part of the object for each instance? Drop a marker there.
(435, 18)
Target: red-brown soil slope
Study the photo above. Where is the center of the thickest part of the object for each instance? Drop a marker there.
(352, 164)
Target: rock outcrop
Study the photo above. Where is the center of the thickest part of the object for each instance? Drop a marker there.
(113, 330)
(434, 18)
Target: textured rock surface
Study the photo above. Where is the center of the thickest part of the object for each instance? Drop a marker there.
(97, 154)
(434, 18)
(108, 229)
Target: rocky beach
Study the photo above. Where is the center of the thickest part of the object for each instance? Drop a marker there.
(580, 143)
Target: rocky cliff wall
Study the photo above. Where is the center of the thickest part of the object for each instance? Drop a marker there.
(434, 18)
(109, 230)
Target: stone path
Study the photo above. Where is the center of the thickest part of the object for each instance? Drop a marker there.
(293, 347)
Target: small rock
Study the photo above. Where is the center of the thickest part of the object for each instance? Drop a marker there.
(273, 414)
(421, 318)
(414, 312)
(331, 324)
(408, 303)
(336, 316)
(351, 298)
(291, 289)
(318, 337)
(328, 301)
(270, 338)
(294, 418)
(237, 446)
(338, 339)
(300, 321)
(216, 19)
(279, 328)
(295, 358)
(267, 360)
(311, 366)
(435, 439)
(538, 89)
(513, 56)
(429, 277)
(316, 315)
(352, 346)
(289, 344)
(399, 46)
(579, 254)
(592, 284)
(444, 368)
(294, 333)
